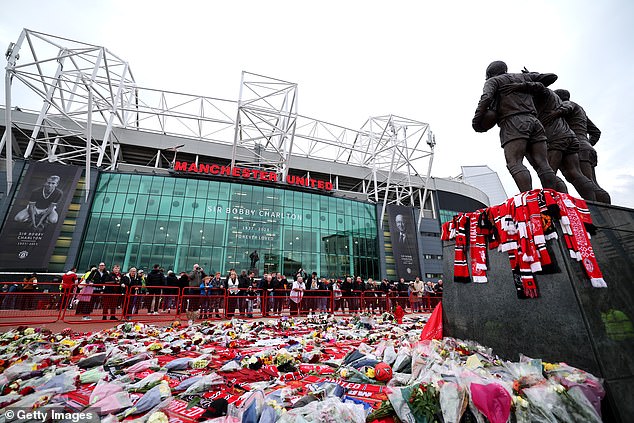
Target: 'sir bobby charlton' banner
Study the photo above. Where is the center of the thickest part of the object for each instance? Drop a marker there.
(35, 219)
(404, 241)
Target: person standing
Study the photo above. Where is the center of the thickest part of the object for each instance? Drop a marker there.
(337, 295)
(112, 293)
(233, 291)
(205, 293)
(297, 293)
(346, 294)
(28, 288)
(323, 295)
(312, 292)
(133, 282)
(358, 287)
(252, 297)
(243, 286)
(170, 293)
(196, 276)
(401, 292)
(276, 293)
(416, 298)
(384, 288)
(183, 283)
(265, 287)
(438, 287)
(155, 281)
(85, 294)
(69, 282)
(217, 295)
(98, 279)
(371, 295)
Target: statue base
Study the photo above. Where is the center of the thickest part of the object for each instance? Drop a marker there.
(589, 328)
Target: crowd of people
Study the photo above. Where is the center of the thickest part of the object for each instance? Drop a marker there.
(214, 295)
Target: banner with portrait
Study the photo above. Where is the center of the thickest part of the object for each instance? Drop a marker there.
(404, 241)
(35, 219)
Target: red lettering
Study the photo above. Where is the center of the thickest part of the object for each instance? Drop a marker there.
(180, 166)
(216, 169)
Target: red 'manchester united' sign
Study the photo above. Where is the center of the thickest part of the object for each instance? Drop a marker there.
(245, 173)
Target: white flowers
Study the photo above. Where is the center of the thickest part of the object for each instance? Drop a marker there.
(519, 402)
(158, 417)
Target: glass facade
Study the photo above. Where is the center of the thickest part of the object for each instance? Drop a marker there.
(140, 220)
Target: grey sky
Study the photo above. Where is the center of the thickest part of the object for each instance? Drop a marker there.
(356, 59)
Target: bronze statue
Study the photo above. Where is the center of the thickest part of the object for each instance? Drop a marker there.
(587, 134)
(563, 146)
(521, 133)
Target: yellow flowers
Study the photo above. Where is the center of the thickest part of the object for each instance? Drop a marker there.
(200, 364)
(550, 366)
(344, 373)
(68, 342)
(155, 346)
(370, 372)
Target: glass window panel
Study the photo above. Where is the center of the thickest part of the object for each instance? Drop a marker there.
(98, 202)
(140, 204)
(290, 229)
(153, 202)
(135, 184)
(124, 183)
(104, 182)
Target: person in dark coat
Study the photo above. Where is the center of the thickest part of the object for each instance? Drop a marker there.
(133, 282)
(155, 281)
(170, 291)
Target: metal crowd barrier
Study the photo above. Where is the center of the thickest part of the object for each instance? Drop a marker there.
(27, 303)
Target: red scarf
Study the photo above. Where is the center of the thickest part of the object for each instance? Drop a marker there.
(578, 239)
(461, 270)
(477, 248)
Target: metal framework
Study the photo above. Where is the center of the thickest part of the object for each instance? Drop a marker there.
(87, 94)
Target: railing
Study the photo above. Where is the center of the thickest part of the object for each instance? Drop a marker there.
(41, 303)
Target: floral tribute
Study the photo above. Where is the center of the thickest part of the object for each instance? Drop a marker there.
(311, 369)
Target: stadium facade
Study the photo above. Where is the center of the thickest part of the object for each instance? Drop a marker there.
(146, 176)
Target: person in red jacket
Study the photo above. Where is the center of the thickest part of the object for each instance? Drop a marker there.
(69, 280)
